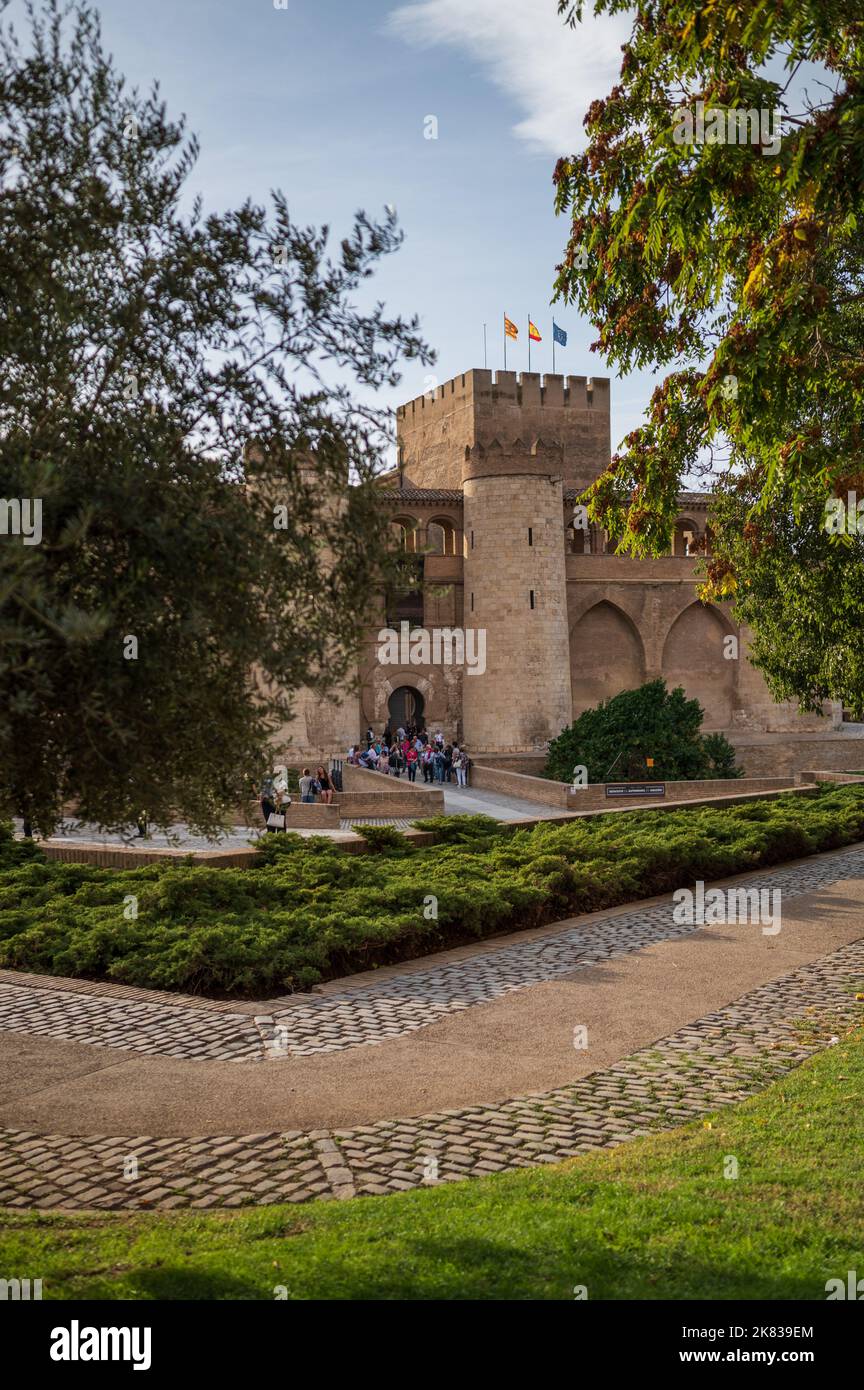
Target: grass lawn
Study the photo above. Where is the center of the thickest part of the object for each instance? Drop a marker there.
(653, 1219)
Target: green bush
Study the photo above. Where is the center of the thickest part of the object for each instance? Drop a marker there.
(615, 740)
(307, 911)
(461, 829)
(380, 837)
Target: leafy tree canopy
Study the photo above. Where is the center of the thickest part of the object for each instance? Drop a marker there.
(614, 740)
(745, 247)
(178, 403)
(799, 587)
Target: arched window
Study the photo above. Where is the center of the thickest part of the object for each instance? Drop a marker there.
(404, 530)
(685, 537)
(441, 537)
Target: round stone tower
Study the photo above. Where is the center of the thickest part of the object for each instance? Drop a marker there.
(515, 597)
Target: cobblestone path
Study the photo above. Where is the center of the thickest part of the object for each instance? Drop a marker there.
(716, 1061)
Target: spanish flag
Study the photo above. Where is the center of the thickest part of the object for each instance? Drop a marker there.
(510, 329)
(533, 334)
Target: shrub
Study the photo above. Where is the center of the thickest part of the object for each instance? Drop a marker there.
(379, 837)
(461, 829)
(616, 739)
(307, 911)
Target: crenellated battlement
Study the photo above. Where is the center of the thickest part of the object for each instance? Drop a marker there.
(520, 388)
(503, 459)
(569, 412)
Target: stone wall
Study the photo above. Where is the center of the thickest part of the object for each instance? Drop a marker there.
(440, 688)
(594, 798)
(487, 778)
(530, 764)
(636, 620)
(840, 778)
(321, 727)
(116, 857)
(787, 754)
(311, 815)
(375, 794)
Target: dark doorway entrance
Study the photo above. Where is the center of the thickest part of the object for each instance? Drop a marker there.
(405, 707)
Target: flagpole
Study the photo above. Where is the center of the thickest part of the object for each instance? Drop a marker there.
(529, 342)
(484, 345)
(505, 342)
(553, 347)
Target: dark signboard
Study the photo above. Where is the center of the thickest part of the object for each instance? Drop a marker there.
(636, 789)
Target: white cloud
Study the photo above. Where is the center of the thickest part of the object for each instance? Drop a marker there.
(553, 73)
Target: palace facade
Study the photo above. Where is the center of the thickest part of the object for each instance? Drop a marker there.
(483, 499)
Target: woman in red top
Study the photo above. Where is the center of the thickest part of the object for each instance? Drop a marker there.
(411, 759)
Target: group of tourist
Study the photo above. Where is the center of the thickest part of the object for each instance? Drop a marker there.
(411, 750)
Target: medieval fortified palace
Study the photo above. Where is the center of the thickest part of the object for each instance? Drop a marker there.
(490, 466)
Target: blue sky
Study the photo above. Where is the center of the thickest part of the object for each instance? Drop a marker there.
(328, 100)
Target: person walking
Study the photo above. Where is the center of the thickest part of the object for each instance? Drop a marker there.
(307, 786)
(459, 763)
(393, 760)
(411, 760)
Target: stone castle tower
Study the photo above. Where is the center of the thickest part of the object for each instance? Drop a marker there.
(516, 590)
(510, 445)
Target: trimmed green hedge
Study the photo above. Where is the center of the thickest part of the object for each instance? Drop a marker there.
(308, 912)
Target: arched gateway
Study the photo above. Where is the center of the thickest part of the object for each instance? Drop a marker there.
(405, 707)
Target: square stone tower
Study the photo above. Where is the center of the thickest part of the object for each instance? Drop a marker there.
(480, 407)
(511, 444)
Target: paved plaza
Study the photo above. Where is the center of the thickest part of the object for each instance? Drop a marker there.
(457, 801)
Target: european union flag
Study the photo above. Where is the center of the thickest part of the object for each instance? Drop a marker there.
(558, 334)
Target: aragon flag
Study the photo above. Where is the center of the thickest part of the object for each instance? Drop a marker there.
(533, 332)
(510, 328)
